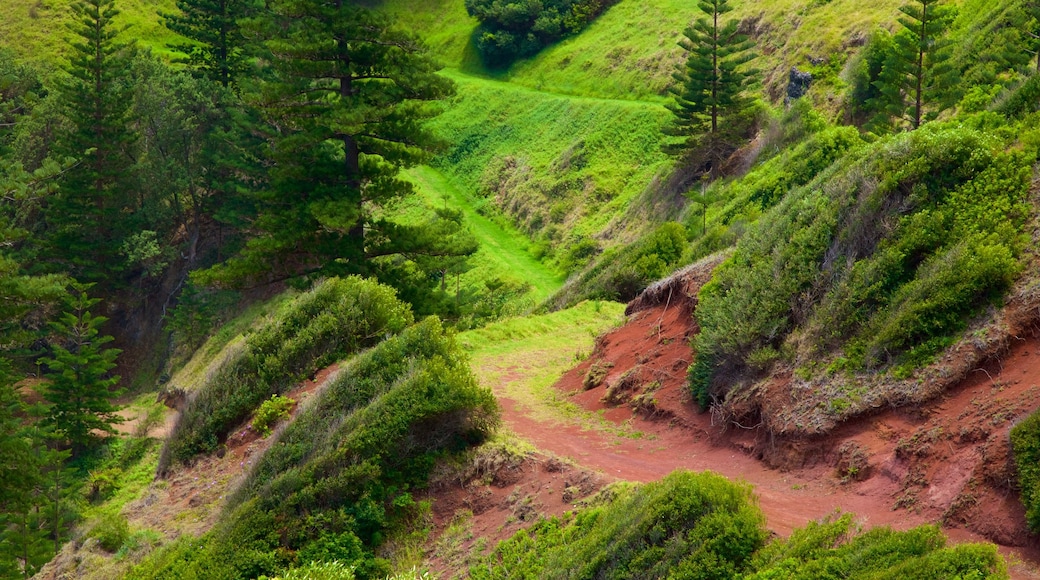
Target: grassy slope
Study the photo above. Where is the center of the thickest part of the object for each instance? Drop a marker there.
(580, 159)
(35, 29)
(503, 250)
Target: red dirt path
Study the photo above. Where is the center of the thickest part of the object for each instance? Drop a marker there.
(946, 462)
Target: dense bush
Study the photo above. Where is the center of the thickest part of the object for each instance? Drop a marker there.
(879, 261)
(834, 550)
(337, 482)
(337, 318)
(512, 29)
(704, 526)
(1025, 440)
(692, 525)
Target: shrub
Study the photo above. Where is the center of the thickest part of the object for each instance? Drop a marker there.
(111, 530)
(270, 412)
(336, 481)
(337, 318)
(520, 28)
(1025, 441)
(687, 525)
(885, 256)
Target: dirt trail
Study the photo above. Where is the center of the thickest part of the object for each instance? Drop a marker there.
(946, 462)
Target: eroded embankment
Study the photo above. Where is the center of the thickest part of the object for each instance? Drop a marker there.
(944, 461)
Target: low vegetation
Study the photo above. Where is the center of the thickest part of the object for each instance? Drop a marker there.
(337, 483)
(339, 317)
(517, 30)
(704, 526)
(883, 258)
(1025, 441)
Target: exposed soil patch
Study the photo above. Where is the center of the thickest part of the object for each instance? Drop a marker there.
(475, 509)
(945, 461)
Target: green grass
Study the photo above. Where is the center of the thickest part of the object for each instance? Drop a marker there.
(523, 357)
(563, 168)
(35, 29)
(504, 251)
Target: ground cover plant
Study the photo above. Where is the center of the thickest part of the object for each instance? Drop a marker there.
(338, 482)
(339, 317)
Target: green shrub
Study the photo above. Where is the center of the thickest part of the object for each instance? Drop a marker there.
(1025, 441)
(337, 318)
(337, 481)
(881, 259)
(835, 549)
(320, 571)
(687, 525)
(520, 28)
(111, 530)
(270, 412)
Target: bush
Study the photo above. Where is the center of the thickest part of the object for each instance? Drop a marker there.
(337, 481)
(337, 318)
(1025, 441)
(883, 257)
(687, 525)
(270, 412)
(111, 530)
(520, 28)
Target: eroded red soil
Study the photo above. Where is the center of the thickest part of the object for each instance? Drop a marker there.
(945, 462)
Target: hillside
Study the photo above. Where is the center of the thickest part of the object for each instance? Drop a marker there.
(413, 312)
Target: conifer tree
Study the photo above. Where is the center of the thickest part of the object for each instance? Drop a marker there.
(347, 112)
(81, 388)
(916, 80)
(710, 88)
(218, 47)
(1031, 9)
(89, 216)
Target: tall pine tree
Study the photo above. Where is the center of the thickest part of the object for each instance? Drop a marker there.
(81, 388)
(916, 81)
(710, 88)
(347, 113)
(89, 217)
(217, 47)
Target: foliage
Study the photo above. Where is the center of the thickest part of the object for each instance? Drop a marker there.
(687, 525)
(915, 82)
(711, 105)
(883, 295)
(85, 222)
(515, 29)
(81, 389)
(338, 481)
(216, 46)
(337, 318)
(1025, 442)
(111, 531)
(834, 548)
(271, 412)
(345, 110)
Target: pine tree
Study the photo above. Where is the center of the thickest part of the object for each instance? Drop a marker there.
(89, 216)
(347, 113)
(916, 80)
(218, 47)
(81, 388)
(710, 88)
(1031, 10)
